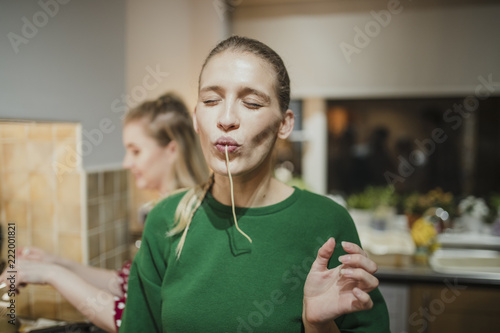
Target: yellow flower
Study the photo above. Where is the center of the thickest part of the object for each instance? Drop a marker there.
(423, 232)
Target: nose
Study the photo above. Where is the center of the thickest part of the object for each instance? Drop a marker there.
(127, 161)
(228, 119)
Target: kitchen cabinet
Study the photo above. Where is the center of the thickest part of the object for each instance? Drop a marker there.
(453, 307)
(420, 300)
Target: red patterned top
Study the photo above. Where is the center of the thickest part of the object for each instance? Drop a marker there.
(123, 274)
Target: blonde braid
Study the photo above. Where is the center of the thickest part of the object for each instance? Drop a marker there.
(186, 209)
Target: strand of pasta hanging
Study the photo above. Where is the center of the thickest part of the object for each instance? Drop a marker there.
(232, 198)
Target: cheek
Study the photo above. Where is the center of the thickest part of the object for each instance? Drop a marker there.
(268, 132)
(204, 138)
(149, 162)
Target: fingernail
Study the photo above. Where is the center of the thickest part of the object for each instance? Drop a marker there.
(345, 244)
(346, 272)
(344, 259)
(357, 292)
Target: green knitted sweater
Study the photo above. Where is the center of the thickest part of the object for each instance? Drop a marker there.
(224, 283)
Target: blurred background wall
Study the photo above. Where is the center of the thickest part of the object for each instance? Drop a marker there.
(89, 61)
(382, 48)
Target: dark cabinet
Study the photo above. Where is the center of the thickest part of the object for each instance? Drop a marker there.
(453, 307)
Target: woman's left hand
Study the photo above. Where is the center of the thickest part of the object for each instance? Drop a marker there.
(330, 293)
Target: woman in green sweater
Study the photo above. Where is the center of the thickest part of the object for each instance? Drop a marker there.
(245, 252)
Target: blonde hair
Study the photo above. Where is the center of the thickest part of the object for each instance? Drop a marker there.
(185, 211)
(193, 198)
(167, 119)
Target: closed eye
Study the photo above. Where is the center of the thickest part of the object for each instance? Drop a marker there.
(252, 105)
(210, 102)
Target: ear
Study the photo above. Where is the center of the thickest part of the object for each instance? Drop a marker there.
(195, 121)
(286, 126)
(172, 148)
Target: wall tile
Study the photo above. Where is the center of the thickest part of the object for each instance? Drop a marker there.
(16, 211)
(123, 180)
(43, 289)
(65, 131)
(138, 198)
(23, 301)
(15, 186)
(2, 161)
(110, 242)
(93, 219)
(121, 234)
(66, 157)
(44, 239)
(40, 156)
(108, 211)
(69, 218)
(102, 245)
(118, 261)
(70, 246)
(94, 246)
(109, 182)
(96, 262)
(46, 303)
(16, 131)
(115, 203)
(42, 215)
(92, 186)
(39, 132)
(36, 201)
(23, 238)
(68, 189)
(41, 186)
(14, 156)
(110, 263)
(123, 207)
(125, 255)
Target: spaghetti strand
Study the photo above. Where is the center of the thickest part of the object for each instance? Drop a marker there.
(232, 199)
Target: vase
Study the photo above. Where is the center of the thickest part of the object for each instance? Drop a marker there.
(421, 256)
(471, 223)
(361, 217)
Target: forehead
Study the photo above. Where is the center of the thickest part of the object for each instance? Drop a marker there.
(233, 67)
(134, 131)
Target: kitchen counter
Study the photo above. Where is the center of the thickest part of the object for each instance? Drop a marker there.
(425, 274)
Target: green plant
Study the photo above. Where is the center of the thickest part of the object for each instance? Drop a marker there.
(417, 203)
(494, 208)
(373, 197)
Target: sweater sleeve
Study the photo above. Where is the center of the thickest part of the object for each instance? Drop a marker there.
(375, 320)
(143, 306)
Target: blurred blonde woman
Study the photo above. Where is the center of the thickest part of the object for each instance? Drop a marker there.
(239, 253)
(164, 155)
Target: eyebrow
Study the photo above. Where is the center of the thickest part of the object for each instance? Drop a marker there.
(245, 91)
(264, 96)
(211, 88)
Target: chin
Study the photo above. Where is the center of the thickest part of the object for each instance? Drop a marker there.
(235, 172)
(220, 168)
(141, 185)
(220, 171)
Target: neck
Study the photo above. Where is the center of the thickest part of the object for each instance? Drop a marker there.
(168, 185)
(256, 190)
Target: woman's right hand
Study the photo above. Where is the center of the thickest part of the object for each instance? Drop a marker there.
(330, 293)
(30, 271)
